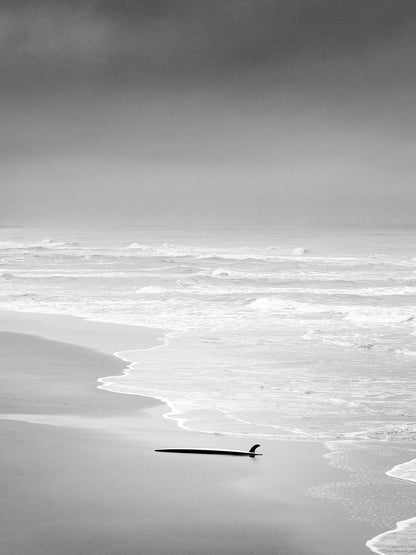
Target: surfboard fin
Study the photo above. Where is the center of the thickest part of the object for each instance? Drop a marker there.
(253, 449)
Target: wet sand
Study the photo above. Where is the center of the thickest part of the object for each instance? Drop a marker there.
(79, 474)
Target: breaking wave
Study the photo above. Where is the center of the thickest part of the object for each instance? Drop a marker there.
(151, 290)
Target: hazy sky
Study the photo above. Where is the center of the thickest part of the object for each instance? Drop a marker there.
(162, 111)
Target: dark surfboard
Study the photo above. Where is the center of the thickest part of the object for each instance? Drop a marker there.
(196, 450)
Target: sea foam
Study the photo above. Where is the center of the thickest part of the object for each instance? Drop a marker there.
(275, 325)
(401, 540)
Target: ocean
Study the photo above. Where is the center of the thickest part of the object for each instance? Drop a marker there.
(283, 333)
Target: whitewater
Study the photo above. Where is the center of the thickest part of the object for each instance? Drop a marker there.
(403, 538)
(300, 334)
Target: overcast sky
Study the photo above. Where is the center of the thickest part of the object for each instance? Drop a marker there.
(163, 111)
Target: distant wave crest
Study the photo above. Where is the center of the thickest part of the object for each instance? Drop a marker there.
(138, 246)
(43, 244)
(240, 253)
(298, 251)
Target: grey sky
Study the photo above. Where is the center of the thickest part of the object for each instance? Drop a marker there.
(221, 111)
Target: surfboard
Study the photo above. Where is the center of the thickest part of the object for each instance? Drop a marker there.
(201, 451)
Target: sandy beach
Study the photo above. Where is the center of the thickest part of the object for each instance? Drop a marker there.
(80, 475)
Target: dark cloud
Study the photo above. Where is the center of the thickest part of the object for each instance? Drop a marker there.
(289, 106)
(59, 43)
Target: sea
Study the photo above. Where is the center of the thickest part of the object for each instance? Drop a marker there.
(295, 333)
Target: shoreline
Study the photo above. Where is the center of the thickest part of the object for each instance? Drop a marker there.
(105, 337)
(402, 526)
(255, 501)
